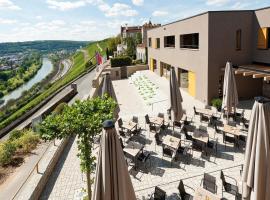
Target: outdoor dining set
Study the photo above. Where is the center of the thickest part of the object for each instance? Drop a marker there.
(178, 140)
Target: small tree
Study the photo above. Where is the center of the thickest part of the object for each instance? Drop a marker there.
(131, 47)
(84, 119)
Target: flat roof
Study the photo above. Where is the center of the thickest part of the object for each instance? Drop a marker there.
(203, 13)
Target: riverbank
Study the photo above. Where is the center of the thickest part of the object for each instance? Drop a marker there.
(45, 67)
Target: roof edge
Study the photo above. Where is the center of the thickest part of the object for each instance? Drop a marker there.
(207, 12)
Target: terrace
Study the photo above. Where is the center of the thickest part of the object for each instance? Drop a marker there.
(158, 170)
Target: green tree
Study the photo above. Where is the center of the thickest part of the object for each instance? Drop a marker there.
(131, 47)
(138, 38)
(84, 119)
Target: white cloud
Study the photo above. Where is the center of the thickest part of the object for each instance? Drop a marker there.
(39, 17)
(117, 9)
(7, 21)
(138, 2)
(58, 30)
(159, 13)
(240, 5)
(65, 5)
(8, 5)
(217, 2)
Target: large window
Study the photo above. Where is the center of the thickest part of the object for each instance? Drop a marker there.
(149, 42)
(238, 39)
(169, 41)
(190, 41)
(158, 43)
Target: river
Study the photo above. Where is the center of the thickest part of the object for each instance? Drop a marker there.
(45, 69)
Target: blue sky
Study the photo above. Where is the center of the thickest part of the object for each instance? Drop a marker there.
(25, 20)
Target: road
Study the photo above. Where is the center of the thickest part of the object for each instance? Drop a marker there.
(84, 86)
(67, 64)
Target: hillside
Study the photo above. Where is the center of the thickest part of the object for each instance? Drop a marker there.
(43, 46)
(79, 67)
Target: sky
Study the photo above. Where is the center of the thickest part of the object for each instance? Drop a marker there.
(87, 20)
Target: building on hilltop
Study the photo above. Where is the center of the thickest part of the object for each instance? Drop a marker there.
(199, 47)
(141, 48)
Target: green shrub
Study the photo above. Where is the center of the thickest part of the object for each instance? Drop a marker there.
(121, 61)
(7, 151)
(15, 134)
(217, 103)
(27, 142)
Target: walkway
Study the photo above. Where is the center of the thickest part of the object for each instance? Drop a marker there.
(67, 177)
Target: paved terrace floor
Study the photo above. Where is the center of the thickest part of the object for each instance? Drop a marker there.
(67, 180)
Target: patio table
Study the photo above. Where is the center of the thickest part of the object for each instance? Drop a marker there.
(172, 142)
(157, 120)
(235, 131)
(205, 111)
(129, 125)
(201, 136)
(203, 194)
(133, 149)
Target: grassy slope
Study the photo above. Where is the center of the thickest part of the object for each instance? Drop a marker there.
(77, 69)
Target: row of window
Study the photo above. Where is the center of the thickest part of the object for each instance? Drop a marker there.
(190, 41)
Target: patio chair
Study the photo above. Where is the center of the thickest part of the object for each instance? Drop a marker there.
(204, 118)
(211, 148)
(161, 115)
(182, 192)
(229, 187)
(188, 137)
(209, 183)
(186, 151)
(144, 157)
(177, 124)
(195, 111)
(167, 152)
(152, 126)
(135, 119)
(228, 139)
(159, 194)
(158, 141)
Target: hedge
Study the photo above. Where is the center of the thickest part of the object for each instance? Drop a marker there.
(121, 61)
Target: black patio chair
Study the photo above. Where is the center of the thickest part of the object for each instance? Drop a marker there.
(229, 187)
(158, 141)
(228, 139)
(159, 194)
(121, 128)
(161, 115)
(182, 192)
(211, 148)
(209, 183)
(185, 152)
(152, 126)
(188, 137)
(177, 124)
(204, 118)
(135, 119)
(167, 152)
(144, 157)
(195, 111)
